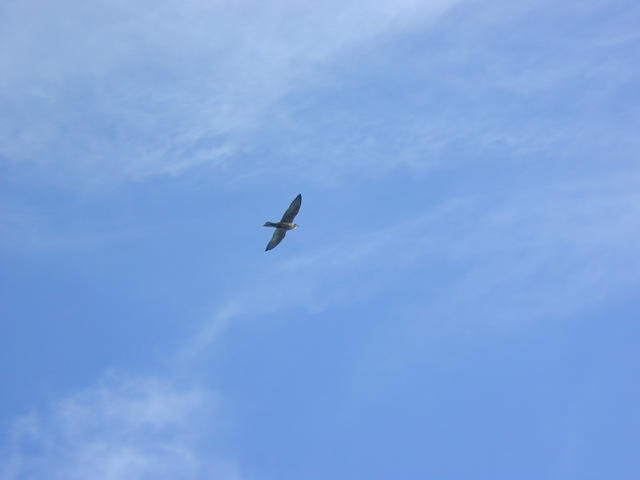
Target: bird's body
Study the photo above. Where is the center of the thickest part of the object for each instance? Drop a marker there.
(285, 224)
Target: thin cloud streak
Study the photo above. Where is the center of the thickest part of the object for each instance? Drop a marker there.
(581, 237)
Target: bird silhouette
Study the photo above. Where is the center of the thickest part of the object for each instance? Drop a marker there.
(286, 223)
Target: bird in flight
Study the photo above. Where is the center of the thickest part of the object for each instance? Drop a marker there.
(286, 223)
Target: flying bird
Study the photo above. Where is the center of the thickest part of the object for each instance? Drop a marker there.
(286, 223)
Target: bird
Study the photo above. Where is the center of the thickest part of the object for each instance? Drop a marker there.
(285, 223)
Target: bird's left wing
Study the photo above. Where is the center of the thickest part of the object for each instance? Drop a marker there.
(293, 210)
(278, 235)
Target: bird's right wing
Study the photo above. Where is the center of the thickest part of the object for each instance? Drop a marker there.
(278, 235)
(293, 210)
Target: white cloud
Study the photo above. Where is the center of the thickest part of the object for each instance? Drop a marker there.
(122, 90)
(123, 427)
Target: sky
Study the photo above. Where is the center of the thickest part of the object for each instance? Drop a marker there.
(460, 300)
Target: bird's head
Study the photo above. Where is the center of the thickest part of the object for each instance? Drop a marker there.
(295, 225)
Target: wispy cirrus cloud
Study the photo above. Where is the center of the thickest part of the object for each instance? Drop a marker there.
(502, 258)
(495, 80)
(157, 89)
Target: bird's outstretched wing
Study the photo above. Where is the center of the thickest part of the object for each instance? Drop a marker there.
(278, 235)
(293, 210)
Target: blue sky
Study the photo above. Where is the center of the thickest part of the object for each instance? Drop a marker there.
(459, 302)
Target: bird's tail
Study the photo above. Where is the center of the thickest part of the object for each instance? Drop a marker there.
(269, 224)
